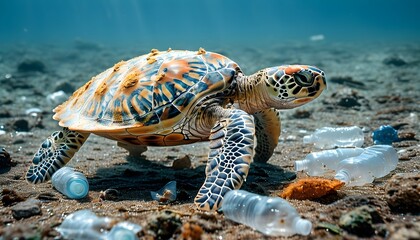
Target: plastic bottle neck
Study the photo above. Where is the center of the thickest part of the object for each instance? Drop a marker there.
(302, 165)
(302, 226)
(343, 176)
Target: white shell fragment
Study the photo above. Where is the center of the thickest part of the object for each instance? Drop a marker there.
(56, 98)
(166, 194)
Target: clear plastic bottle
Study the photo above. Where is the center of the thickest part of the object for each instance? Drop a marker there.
(124, 231)
(85, 225)
(272, 216)
(71, 183)
(328, 137)
(376, 161)
(317, 163)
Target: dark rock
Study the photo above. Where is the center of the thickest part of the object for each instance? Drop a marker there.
(349, 102)
(110, 194)
(9, 197)
(395, 61)
(301, 114)
(360, 221)
(4, 113)
(403, 192)
(182, 163)
(31, 66)
(164, 225)
(347, 98)
(20, 125)
(347, 81)
(5, 160)
(26, 209)
(65, 87)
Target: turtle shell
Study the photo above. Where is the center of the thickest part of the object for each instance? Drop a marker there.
(149, 93)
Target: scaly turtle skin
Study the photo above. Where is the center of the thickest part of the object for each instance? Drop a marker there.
(180, 97)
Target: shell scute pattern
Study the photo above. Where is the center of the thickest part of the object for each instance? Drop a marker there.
(140, 92)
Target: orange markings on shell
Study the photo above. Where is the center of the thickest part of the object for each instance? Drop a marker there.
(118, 65)
(151, 60)
(100, 91)
(311, 188)
(292, 69)
(131, 79)
(201, 51)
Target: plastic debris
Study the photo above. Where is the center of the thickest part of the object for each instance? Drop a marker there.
(311, 188)
(71, 183)
(375, 161)
(328, 137)
(272, 216)
(166, 194)
(85, 225)
(317, 163)
(385, 134)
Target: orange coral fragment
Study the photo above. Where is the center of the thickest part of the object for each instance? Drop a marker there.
(311, 188)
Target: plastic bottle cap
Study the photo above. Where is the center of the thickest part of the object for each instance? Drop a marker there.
(303, 226)
(78, 188)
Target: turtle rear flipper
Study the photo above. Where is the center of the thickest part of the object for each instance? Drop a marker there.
(231, 152)
(54, 153)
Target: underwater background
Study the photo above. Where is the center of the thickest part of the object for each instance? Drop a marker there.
(188, 23)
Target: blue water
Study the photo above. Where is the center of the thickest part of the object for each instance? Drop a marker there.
(184, 23)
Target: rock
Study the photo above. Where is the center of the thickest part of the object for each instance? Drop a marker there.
(403, 192)
(164, 225)
(395, 61)
(5, 160)
(65, 87)
(31, 66)
(20, 125)
(349, 102)
(182, 163)
(347, 98)
(26, 209)
(110, 194)
(4, 113)
(9, 197)
(347, 81)
(301, 114)
(360, 221)
(409, 230)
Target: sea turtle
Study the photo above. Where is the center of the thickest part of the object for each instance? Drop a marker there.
(168, 98)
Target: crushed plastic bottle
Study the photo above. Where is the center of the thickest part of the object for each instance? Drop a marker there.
(272, 216)
(385, 134)
(71, 183)
(375, 162)
(166, 194)
(85, 225)
(317, 163)
(328, 137)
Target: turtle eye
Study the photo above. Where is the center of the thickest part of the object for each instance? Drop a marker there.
(304, 78)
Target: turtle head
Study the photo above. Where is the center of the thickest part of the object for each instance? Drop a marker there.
(292, 85)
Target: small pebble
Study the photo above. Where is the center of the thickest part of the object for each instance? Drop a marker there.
(26, 209)
(191, 231)
(182, 163)
(164, 225)
(110, 194)
(10, 197)
(20, 125)
(5, 159)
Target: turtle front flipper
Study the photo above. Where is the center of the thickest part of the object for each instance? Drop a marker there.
(54, 153)
(267, 129)
(231, 152)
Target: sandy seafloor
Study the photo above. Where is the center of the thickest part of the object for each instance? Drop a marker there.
(364, 89)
